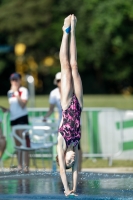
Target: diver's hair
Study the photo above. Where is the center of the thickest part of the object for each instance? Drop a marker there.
(68, 167)
(57, 161)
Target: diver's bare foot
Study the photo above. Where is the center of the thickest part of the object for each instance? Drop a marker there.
(67, 24)
(73, 23)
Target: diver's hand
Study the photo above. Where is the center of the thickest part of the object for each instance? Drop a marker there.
(67, 193)
(74, 192)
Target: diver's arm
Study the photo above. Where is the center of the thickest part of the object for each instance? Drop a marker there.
(62, 166)
(75, 170)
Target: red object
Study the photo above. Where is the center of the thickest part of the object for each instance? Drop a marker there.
(27, 140)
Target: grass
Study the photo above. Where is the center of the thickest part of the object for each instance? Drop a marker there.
(86, 163)
(103, 163)
(47, 163)
(116, 101)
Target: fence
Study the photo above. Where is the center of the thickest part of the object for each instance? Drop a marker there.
(103, 137)
(106, 132)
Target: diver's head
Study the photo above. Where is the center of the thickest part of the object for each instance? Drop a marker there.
(69, 158)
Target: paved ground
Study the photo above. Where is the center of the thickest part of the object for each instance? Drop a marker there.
(110, 170)
(103, 170)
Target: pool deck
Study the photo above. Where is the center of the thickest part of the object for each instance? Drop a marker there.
(102, 170)
(99, 185)
(110, 170)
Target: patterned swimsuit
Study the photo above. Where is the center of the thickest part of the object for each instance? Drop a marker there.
(70, 128)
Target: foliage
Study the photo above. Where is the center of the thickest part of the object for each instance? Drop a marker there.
(108, 37)
(104, 36)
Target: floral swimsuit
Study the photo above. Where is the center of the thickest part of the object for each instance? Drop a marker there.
(70, 128)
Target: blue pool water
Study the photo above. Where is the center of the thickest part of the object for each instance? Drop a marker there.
(47, 185)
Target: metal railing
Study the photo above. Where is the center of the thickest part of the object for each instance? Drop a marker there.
(102, 130)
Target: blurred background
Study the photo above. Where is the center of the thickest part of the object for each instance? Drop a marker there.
(30, 37)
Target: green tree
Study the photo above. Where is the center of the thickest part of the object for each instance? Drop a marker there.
(104, 36)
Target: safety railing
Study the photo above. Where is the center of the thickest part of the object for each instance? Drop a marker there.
(106, 132)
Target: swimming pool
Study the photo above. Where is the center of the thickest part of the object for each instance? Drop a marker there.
(47, 185)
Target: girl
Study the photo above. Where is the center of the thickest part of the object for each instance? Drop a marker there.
(72, 103)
